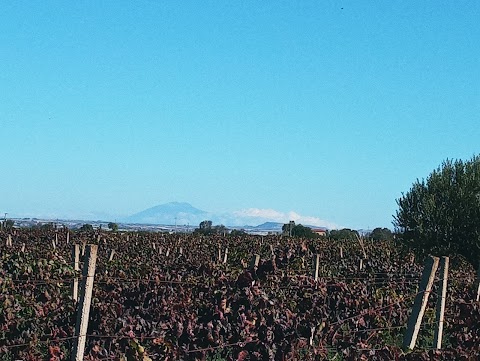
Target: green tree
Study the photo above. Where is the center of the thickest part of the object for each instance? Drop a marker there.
(86, 228)
(47, 226)
(220, 229)
(441, 215)
(302, 231)
(343, 234)
(287, 228)
(205, 225)
(9, 224)
(238, 232)
(113, 226)
(297, 230)
(381, 234)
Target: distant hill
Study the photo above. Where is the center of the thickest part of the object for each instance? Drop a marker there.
(183, 213)
(166, 213)
(270, 226)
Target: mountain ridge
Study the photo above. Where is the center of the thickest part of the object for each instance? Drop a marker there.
(183, 213)
(168, 213)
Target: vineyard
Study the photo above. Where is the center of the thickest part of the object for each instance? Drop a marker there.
(186, 297)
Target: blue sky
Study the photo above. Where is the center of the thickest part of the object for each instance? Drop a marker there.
(329, 109)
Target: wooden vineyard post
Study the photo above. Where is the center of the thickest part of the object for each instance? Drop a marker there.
(341, 252)
(360, 264)
(168, 252)
(360, 241)
(76, 267)
(112, 253)
(225, 257)
(219, 254)
(428, 276)
(83, 248)
(477, 284)
(23, 247)
(312, 335)
(440, 311)
(68, 237)
(54, 245)
(84, 304)
(254, 262)
(316, 265)
(56, 239)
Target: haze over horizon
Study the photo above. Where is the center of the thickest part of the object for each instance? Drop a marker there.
(317, 110)
(183, 213)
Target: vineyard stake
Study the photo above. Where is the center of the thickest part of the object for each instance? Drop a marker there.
(420, 303)
(112, 253)
(68, 237)
(440, 311)
(255, 261)
(477, 284)
(84, 304)
(312, 334)
(361, 245)
(226, 255)
(316, 265)
(76, 267)
(341, 252)
(23, 247)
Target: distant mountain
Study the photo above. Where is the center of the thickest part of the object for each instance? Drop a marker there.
(182, 213)
(270, 226)
(169, 213)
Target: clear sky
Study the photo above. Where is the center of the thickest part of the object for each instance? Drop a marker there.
(330, 109)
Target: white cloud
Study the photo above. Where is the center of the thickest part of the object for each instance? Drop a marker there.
(264, 215)
(272, 214)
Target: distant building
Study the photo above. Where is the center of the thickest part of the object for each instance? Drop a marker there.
(320, 231)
